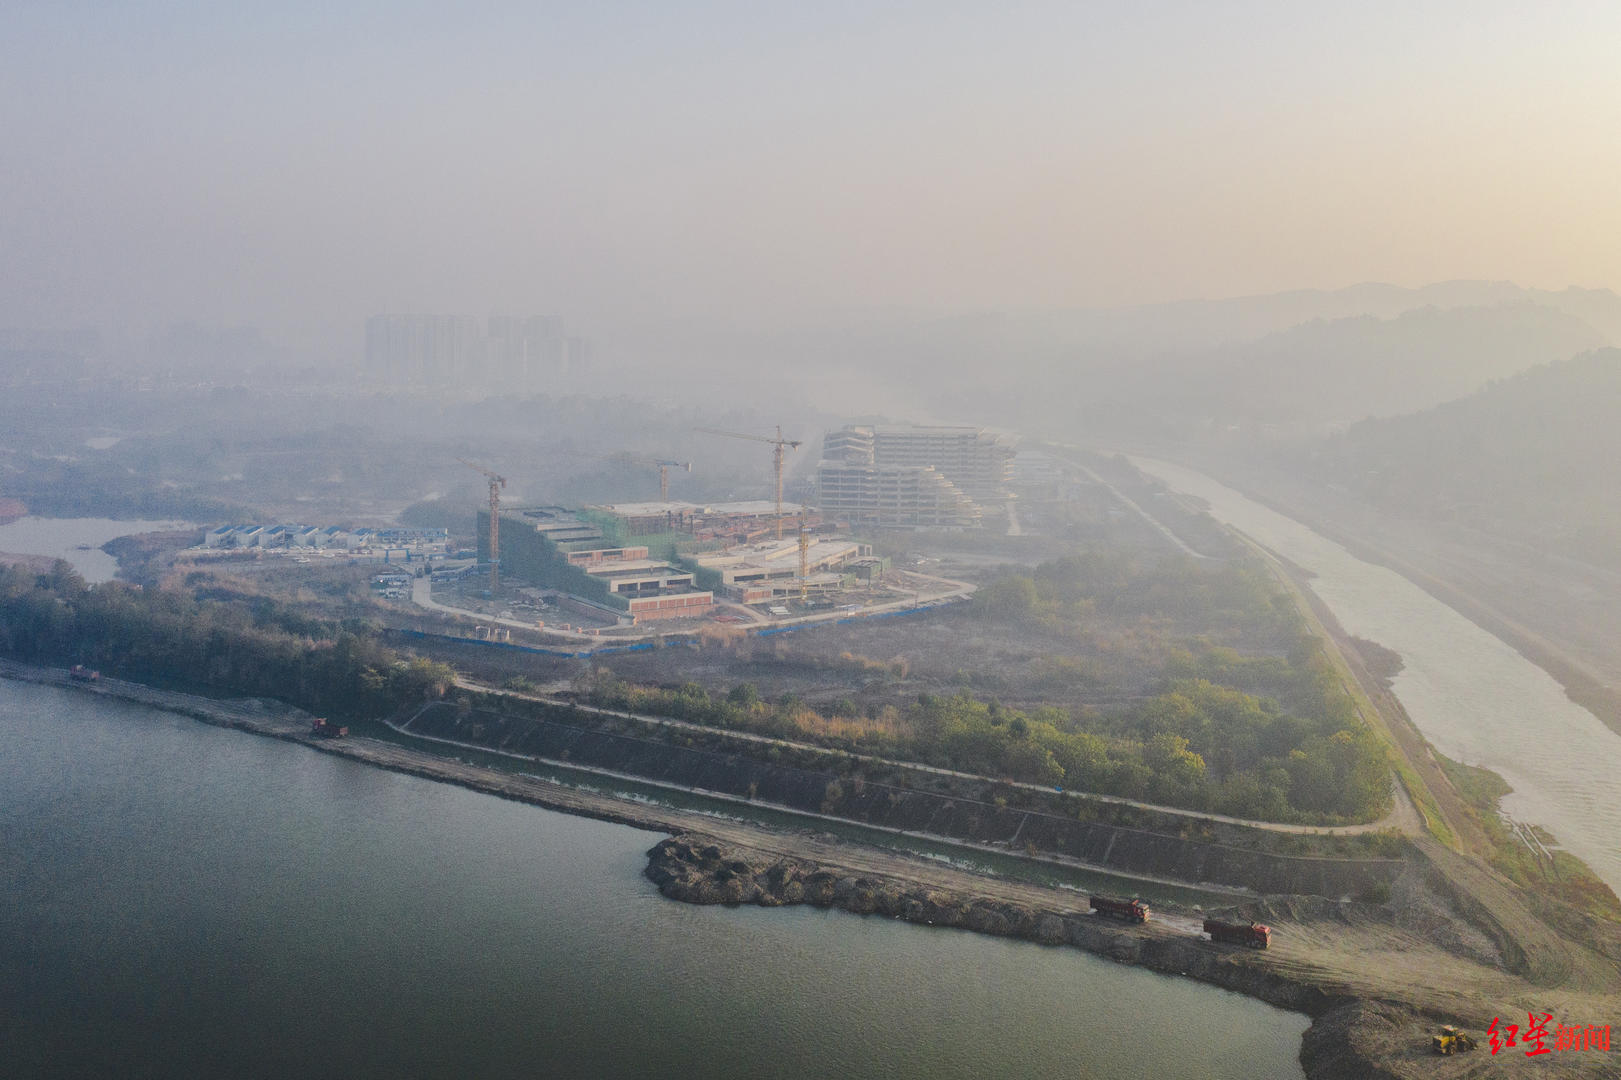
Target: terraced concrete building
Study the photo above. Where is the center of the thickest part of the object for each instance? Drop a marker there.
(913, 476)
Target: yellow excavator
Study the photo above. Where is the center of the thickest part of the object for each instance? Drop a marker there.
(1451, 1040)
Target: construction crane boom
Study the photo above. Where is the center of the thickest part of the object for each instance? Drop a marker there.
(497, 482)
(777, 455)
(662, 465)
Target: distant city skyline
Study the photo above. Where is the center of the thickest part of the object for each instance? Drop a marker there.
(426, 347)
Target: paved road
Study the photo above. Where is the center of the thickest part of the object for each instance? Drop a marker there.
(422, 596)
(948, 592)
(742, 804)
(1153, 522)
(1402, 815)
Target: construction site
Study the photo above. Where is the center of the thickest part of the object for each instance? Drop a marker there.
(615, 568)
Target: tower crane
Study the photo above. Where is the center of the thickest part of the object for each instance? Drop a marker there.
(779, 443)
(497, 482)
(804, 562)
(662, 466)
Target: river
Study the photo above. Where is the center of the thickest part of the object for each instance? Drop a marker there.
(78, 540)
(1474, 698)
(186, 901)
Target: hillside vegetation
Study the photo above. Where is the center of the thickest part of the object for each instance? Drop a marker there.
(1269, 735)
(260, 648)
(1533, 457)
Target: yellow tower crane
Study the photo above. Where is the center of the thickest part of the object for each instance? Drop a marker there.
(662, 466)
(497, 482)
(777, 454)
(804, 562)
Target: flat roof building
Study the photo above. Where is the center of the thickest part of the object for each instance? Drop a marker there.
(755, 572)
(700, 520)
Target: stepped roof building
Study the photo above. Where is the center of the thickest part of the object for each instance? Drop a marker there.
(913, 476)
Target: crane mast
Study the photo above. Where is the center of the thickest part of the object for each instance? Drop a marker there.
(663, 466)
(780, 446)
(804, 562)
(497, 482)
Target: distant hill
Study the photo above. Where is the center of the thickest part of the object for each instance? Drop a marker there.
(1304, 382)
(1536, 456)
(1332, 373)
(1200, 325)
(1285, 365)
(1180, 327)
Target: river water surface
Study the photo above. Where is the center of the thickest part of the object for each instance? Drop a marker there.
(78, 540)
(184, 901)
(1475, 698)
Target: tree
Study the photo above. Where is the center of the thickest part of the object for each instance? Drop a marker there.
(1178, 771)
(1010, 597)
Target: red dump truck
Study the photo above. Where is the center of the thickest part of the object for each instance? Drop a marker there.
(83, 674)
(1254, 935)
(1129, 910)
(327, 729)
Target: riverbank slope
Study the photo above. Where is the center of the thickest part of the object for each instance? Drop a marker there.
(1374, 977)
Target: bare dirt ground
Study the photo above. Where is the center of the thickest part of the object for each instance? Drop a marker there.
(1108, 663)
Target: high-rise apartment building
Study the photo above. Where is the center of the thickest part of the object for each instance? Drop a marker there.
(424, 348)
(506, 350)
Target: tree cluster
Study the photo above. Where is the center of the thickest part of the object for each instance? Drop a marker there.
(260, 648)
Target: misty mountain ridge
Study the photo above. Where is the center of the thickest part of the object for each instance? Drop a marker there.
(1303, 381)
(1201, 324)
(1330, 373)
(1176, 327)
(1533, 456)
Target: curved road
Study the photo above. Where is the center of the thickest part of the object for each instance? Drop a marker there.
(1402, 816)
(951, 592)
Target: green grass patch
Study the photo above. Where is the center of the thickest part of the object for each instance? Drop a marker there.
(1562, 876)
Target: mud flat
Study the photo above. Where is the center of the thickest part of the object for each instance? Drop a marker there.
(1453, 944)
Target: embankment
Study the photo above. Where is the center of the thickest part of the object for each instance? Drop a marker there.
(696, 870)
(1111, 847)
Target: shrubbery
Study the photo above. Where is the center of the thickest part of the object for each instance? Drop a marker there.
(257, 648)
(1197, 745)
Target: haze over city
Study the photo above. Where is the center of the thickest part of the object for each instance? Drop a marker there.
(922, 540)
(655, 169)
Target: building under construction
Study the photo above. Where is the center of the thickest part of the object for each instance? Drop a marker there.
(553, 548)
(913, 477)
(728, 522)
(771, 569)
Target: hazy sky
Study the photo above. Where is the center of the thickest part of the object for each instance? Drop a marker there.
(302, 165)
